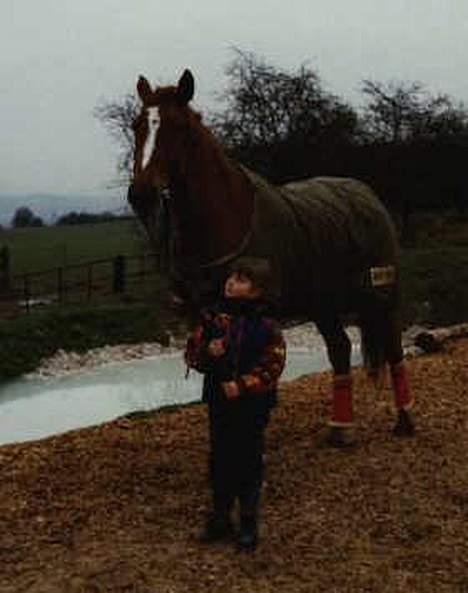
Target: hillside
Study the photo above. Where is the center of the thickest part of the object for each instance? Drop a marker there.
(51, 206)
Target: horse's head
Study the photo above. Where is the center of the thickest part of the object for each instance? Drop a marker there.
(211, 203)
(159, 129)
(158, 132)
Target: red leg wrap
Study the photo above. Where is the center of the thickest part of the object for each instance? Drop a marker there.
(400, 386)
(342, 401)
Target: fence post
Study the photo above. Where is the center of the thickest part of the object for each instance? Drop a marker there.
(26, 292)
(5, 267)
(119, 274)
(90, 281)
(60, 286)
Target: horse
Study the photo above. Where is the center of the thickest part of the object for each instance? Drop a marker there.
(331, 243)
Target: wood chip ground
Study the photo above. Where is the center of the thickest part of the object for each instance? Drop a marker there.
(117, 508)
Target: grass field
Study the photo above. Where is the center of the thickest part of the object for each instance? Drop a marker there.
(37, 249)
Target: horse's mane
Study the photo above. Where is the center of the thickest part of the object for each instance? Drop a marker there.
(201, 134)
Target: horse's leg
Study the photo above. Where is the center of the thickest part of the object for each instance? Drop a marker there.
(394, 355)
(339, 353)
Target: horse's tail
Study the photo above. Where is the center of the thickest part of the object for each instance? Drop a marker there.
(372, 346)
(380, 331)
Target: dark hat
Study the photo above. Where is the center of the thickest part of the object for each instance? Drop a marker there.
(259, 271)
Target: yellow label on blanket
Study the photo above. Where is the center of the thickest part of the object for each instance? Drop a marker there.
(383, 275)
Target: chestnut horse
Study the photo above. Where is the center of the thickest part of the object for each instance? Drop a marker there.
(330, 241)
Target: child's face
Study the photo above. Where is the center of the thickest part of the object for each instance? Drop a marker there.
(239, 286)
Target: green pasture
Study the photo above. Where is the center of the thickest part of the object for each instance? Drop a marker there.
(37, 249)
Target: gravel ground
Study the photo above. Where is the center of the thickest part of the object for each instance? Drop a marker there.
(117, 508)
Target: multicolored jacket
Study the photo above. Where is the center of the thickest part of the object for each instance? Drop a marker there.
(255, 349)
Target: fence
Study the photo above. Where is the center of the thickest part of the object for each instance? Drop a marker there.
(94, 280)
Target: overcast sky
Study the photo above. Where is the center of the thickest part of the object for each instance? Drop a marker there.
(60, 58)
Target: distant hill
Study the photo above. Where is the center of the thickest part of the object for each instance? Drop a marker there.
(51, 206)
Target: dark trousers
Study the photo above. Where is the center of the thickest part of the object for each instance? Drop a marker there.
(237, 429)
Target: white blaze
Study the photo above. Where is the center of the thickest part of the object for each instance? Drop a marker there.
(153, 126)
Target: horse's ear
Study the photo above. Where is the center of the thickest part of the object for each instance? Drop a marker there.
(143, 89)
(186, 87)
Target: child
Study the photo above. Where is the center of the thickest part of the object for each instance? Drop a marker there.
(240, 350)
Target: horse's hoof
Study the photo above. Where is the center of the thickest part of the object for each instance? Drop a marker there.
(337, 437)
(404, 426)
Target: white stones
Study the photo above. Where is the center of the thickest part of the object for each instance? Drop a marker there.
(64, 363)
(304, 337)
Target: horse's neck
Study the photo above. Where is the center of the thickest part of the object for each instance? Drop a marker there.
(214, 203)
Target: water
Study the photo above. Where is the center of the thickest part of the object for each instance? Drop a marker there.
(34, 409)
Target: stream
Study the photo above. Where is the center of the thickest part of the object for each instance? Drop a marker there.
(31, 409)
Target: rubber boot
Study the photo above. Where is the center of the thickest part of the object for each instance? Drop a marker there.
(247, 538)
(218, 527)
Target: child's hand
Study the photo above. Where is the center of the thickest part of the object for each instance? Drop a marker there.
(216, 347)
(231, 389)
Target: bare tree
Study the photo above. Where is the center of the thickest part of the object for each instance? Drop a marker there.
(265, 105)
(399, 112)
(281, 123)
(25, 217)
(117, 116)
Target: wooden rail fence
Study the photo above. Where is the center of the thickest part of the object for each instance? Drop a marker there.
(118, 276)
